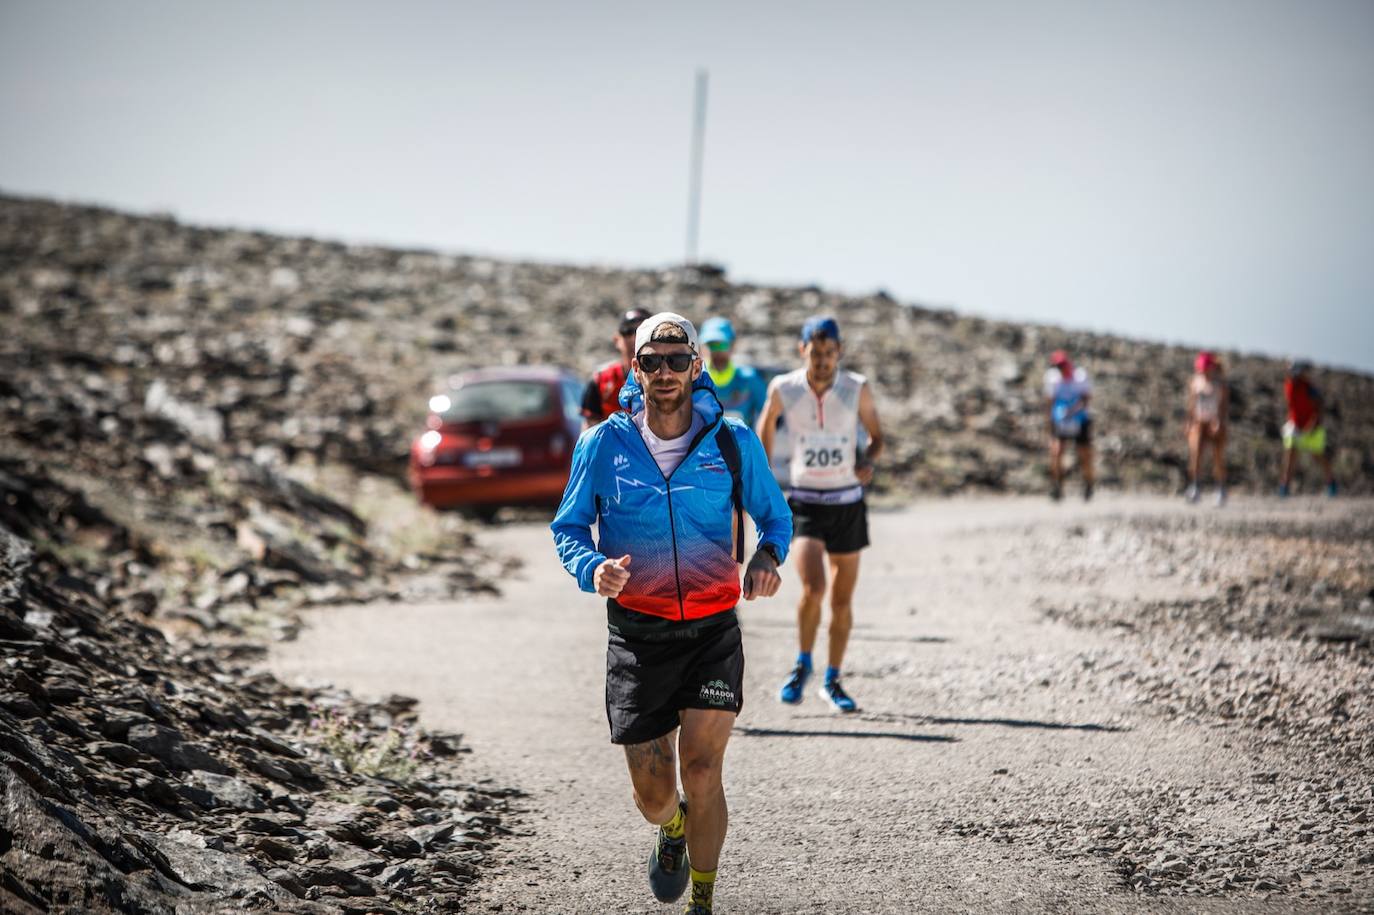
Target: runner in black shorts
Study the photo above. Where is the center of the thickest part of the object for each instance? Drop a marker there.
(663, 483)
(842, 528)
(824, 408)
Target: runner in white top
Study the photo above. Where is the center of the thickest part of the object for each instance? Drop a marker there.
(824, 407)
(1209, 401)
(825, 430)
(1067, 392)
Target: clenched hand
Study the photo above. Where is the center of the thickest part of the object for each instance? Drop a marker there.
(761, 578)
(610, 577)
(864, 472)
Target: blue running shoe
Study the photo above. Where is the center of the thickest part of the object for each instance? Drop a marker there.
(669, 872)
(1283, 490)
(792, 688)
(1331, 489)
(832, 692)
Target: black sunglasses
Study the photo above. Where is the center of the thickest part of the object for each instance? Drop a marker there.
(677, 362)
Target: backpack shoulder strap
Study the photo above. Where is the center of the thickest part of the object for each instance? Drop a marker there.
(729, 452)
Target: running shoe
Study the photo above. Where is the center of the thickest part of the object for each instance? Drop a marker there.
(1056, 493)
(1331, 489)
(1087, 492)
(839, 700)
(792, 687)
(1221, 496)
(1191, 493)
(668, 868)
(696, 910)
(1283, 490)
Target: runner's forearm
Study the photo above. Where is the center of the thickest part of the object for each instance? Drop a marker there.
(763, 500)
(875, 448)
(572, 534)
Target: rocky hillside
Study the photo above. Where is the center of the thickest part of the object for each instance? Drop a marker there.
(139, 776)
(291, 349)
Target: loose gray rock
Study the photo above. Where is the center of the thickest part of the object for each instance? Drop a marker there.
(230, 792)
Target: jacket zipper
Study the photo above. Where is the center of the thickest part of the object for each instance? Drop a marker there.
(668, 491)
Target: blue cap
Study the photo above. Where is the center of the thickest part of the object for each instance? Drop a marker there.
(820, 326)
(717, 330)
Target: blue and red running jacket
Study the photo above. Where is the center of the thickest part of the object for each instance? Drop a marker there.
(678, 530)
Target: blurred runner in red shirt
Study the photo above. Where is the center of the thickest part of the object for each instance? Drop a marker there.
(601, 397)
(1304, 430)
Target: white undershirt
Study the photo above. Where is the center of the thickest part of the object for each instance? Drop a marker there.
(668, 452)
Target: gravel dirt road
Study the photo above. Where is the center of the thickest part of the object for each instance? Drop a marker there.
(1047, 724)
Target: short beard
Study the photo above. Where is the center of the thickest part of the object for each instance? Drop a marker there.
(815, 373)
(666, 407)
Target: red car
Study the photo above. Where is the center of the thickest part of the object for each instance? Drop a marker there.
(499, 436)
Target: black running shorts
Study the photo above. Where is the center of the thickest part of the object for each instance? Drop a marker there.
(844, 528)
(1083, 438)
(648, 682)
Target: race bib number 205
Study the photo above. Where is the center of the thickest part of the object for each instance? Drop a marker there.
(823, 456)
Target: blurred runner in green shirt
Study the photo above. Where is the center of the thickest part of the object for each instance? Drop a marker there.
(740, 388)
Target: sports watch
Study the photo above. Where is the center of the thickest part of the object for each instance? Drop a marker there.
(771, 551)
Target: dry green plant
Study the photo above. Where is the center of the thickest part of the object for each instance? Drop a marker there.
(394, 754)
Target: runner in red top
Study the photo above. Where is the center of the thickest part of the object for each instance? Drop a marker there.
(602, 395)
(1304, 430)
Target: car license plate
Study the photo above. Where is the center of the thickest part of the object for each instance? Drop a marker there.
(496, 457)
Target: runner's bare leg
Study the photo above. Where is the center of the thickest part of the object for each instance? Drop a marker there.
(653, 773)
(1325, 461)
(1195, 440)
(809, 555)
(1219, 458)
(1290, 458)
(702, 745)
(1085, 463)
(844, 575)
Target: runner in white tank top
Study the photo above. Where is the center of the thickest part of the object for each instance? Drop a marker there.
(1208, 403)
(824, 407)
(825, 430)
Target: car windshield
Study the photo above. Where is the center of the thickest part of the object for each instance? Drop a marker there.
(572, 399)
(494, 401)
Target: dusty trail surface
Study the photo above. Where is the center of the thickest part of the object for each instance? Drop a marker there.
(1064, 708)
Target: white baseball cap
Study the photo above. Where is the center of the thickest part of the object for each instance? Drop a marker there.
(654, 322)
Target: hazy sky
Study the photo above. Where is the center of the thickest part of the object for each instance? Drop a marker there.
(1197, 172)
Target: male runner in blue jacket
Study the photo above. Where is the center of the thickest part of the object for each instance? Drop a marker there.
(660, 484)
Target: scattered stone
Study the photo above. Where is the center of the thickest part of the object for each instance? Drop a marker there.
(428, 835)
(445, 743)
(230, 792)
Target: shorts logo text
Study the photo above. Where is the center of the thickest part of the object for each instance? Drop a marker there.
(717, 693)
